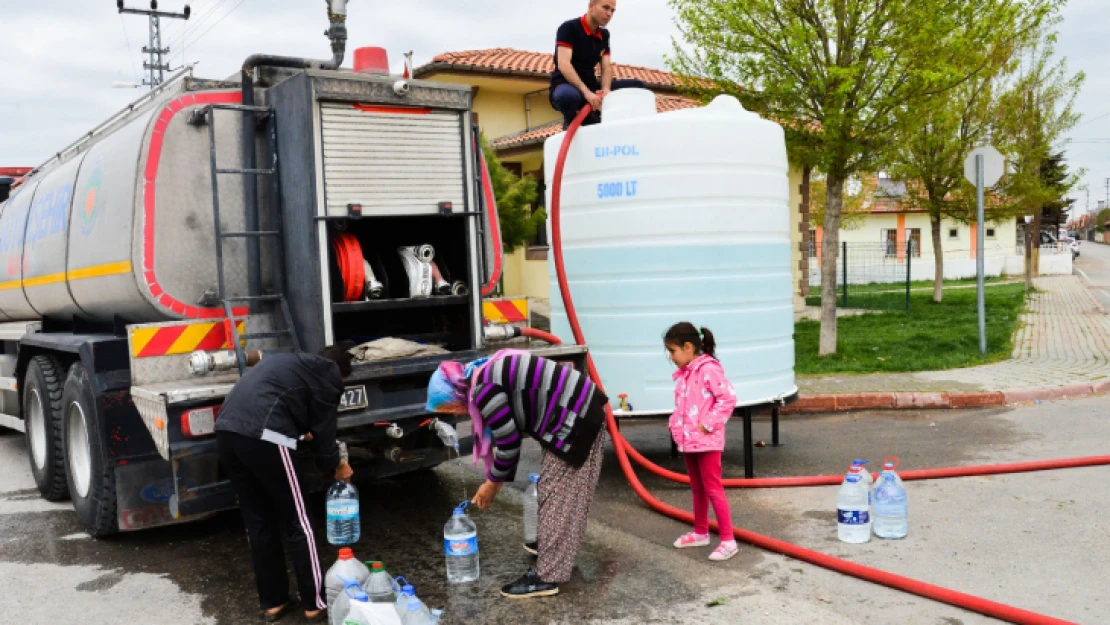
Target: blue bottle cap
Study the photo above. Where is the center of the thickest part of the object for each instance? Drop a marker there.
(461, 509)
(534, 477)
(860, 462)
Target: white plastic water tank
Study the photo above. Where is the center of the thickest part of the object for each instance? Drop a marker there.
(679, 216)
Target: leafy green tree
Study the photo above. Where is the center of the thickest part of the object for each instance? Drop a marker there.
(516, 198)
(842, 76)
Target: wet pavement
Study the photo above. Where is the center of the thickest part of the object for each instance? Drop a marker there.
(998, 537)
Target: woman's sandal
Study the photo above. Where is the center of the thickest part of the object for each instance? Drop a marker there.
(280, 614)
(320, 616)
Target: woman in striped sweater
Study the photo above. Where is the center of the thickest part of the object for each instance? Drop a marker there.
(515, 394)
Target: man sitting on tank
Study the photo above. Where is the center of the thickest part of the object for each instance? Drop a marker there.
(581, 44)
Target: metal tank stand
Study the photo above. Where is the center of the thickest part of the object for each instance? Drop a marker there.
(255, 301)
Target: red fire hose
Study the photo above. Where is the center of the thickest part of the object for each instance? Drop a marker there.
(623, 449)
(348, 255)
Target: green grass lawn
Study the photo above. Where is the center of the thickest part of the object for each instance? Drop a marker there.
(867, 290)
(931, 337)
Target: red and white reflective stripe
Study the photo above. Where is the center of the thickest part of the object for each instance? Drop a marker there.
(295, 486)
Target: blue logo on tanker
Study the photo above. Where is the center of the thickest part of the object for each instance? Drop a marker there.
(48, 214)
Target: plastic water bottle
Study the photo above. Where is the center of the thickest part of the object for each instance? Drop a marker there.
(345, 568)
(343, 522)
(352, 591)
(407, 601)
(460, 545)
(531, 508)
(891, 463)
(358, 614)
(891, 508)
(866, 475)
(853, 516)
(379, 586)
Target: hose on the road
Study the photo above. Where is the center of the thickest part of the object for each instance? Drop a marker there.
(624, 450)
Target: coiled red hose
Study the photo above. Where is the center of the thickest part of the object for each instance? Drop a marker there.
(623, 450)
(348, 255)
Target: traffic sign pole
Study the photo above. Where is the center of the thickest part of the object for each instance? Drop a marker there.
(980, 264)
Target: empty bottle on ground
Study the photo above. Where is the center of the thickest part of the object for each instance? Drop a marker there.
(853, 522)
(339, 609)
(531, 508)
(345, 568)
(343, 521)
(379, 586)
(460, 546)
(891, 507)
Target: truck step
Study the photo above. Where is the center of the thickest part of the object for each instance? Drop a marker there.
(247, 234)
(236, 170)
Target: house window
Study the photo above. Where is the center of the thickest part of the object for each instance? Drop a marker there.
(953, 233)
(812, 243)
(888, 238)
(990, 233)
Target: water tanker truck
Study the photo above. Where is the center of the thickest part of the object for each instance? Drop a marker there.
(293, 206)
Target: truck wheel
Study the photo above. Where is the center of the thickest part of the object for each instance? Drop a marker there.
(42, 409)
(92, 483)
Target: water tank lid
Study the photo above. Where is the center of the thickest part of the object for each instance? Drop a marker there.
(627, 104)
(729, 105)
(372, 60)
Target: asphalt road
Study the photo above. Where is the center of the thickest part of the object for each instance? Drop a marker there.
(1093, 265)
(1034, 540)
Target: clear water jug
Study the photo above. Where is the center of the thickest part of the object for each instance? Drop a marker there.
(460, 547)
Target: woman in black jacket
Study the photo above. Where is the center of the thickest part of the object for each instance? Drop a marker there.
(284, 400)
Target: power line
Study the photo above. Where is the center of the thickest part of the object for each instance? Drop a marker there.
(218, 22)
(197, 24)
(134, 68)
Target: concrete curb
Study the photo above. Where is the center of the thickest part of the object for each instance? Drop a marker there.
(810, 404)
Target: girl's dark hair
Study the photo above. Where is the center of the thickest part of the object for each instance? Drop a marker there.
(685, 332)
(339, 356)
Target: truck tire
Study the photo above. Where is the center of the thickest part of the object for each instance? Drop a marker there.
(92, 482)
(42, 410)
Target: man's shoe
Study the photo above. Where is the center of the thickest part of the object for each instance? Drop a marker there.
(532, 548)
(529, 585)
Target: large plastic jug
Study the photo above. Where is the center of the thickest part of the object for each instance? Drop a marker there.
(379, 586)
(346, 567)
(407, 601)
(352, 591)
(531, 508)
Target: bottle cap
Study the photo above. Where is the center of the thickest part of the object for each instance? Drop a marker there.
(376, 566)
(860, 462)
(346, 554)
(534, 477)
(461, 509)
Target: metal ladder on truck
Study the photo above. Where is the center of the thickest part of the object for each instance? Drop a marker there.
(254, 301)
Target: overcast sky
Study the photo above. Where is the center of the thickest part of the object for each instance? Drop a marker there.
(59, 58)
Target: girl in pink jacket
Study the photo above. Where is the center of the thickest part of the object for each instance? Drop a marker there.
(703, 400)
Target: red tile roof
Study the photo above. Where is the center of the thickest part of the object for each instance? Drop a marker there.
(538, 134)
(537, 64)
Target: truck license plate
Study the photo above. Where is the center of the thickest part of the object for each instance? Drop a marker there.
(353, 398)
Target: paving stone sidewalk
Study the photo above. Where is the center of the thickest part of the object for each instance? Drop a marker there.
(1063, 338)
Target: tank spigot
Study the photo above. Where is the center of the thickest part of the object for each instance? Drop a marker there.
(625, 406)
(394, 431)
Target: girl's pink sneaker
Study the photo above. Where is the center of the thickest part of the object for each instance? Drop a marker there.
(724, 551)
(691, 540)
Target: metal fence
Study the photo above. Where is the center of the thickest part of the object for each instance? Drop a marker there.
(883, 276)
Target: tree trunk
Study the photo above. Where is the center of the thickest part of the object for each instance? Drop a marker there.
(1036, 255)
(938, 259)
(830, 251)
